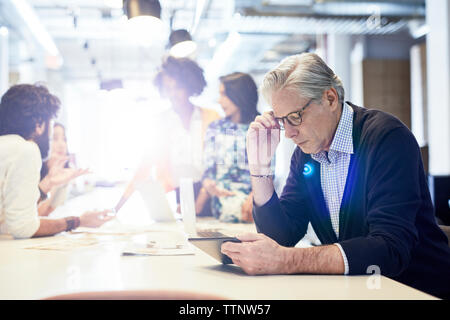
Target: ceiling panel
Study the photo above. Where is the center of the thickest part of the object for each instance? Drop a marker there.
(270, 29)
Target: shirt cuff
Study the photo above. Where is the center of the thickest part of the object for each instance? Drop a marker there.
(344, 257)
(26, 229)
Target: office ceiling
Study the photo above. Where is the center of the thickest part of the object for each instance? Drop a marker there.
(246, 35)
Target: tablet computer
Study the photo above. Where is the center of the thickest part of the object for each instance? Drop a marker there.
(212, 247)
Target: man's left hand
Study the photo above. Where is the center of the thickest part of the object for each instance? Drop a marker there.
(257, 254)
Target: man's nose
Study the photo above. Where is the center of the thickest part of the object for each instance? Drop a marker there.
(290, 131)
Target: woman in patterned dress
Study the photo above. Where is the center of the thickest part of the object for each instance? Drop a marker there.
(226, 189)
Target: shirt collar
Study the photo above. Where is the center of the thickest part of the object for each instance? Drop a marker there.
(343, 138)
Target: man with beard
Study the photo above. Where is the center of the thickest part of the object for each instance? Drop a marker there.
(26, 116)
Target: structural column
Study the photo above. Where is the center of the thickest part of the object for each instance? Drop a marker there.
(4, 60)
(438, 83)
(339, 49)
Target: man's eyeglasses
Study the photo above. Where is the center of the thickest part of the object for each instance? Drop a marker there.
(293, 118)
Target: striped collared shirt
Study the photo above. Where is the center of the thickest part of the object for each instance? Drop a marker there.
(334, 166)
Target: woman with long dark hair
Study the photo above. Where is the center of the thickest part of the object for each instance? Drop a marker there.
(59, 156)
(226, 181)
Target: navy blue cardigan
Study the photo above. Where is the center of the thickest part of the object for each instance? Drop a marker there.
(386, 217)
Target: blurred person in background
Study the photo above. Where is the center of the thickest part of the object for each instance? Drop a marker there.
(226, 187)
(176, 145)
(26, 123)
(59, 157)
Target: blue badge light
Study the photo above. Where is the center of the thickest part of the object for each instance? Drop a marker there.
(307, 170)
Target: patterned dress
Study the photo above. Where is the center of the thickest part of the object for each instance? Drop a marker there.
(225, 162)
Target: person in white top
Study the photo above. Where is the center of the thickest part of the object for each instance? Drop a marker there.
(26, 116)
(175, 146)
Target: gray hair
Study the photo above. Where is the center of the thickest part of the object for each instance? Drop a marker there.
(305, 73)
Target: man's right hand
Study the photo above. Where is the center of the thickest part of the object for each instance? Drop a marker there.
(263, 137)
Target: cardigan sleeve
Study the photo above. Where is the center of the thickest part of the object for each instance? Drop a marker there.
(285, 219)
(393, 201)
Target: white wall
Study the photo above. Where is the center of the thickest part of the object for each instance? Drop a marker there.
(438, 78)
(4, 59)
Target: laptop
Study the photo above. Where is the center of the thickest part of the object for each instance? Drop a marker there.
(206, 240)
(155, 200)
(187, 206)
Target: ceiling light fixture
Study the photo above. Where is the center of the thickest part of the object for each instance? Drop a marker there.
(181, 44)
(144, 21)
(137, 8)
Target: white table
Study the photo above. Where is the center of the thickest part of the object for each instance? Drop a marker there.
(35, 274)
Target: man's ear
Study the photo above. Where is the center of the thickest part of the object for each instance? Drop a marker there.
(40, 128)
(332, 98)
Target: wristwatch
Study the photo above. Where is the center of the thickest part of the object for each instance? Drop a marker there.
(72, 223)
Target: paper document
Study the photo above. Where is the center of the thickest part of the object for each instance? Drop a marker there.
(116, 228)
(154, 248)
(63, 244)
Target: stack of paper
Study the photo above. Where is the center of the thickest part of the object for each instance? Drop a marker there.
(154, 248)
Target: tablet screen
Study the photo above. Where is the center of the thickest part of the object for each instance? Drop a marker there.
(212, 247)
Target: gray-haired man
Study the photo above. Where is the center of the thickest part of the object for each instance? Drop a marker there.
(357, 176)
